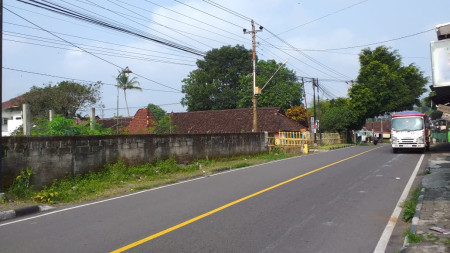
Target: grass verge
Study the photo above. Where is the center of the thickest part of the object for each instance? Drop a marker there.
(119, 178)
(409, 206)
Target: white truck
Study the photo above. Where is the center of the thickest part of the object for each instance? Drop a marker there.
(410, 130)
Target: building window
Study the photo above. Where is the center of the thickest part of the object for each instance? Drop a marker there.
(18, 118)
(5, 121)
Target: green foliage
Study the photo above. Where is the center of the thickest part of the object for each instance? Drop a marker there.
(339, 117)
(240, 165)
(413, 238)
(65, 98)
(125, 83)
(214, 84)
(21, 187)
(384, 84)
(409, 206)
(163, 126)
(62, 126)
(112, 175)
(284, 90)
(157, 111)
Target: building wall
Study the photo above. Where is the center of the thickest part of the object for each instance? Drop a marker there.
(13, 119)
(57, 157)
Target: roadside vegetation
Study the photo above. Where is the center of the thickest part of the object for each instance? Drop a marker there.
(120, 178)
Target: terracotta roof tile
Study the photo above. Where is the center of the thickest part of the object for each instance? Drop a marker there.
(270, 119)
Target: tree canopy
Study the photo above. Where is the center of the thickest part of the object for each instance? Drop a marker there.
(64, 98)
(339, 116)
(299, 114)
(384, 84)
(223, 80)
(125, 83)
(283, 90)
(157, 111)
(215, 83)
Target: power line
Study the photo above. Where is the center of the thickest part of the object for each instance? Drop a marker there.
(75, 79)
(102, 51)
(317, 19)
(102, 41)
(96, 21)
(98, 57)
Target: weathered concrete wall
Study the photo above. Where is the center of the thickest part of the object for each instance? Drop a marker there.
(56, 157)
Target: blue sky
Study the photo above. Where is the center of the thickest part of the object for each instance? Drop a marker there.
(312, 27)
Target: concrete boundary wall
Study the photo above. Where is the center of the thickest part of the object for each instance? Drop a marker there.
(59, 156)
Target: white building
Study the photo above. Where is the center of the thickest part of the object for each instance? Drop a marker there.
(11, 116)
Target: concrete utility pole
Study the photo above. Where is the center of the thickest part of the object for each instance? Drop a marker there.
(50, 115)
(308, 121)
(26, 119)
(314, 100)
(92, 123)
(256, 90)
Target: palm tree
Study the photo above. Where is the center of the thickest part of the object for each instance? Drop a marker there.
(124, 83)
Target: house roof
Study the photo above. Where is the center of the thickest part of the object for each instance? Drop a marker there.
(270, 119)
(12, 103)
(141, 121)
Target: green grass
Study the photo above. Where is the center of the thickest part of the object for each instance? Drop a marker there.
(409, 206)
(119, 178)
(413, 238)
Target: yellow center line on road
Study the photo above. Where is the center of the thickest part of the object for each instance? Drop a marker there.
(168, 230)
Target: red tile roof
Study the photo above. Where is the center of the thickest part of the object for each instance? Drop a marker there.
(141, 121)
(270, 119)
(13, 102)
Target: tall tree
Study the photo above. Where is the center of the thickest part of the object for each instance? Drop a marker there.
(384, 84)
(283, 90)
(125, 83)
(65, 98)
(215, 83)
(157, 111)
(339, 116)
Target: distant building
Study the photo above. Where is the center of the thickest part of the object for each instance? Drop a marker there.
(270, 119)
(11, 115)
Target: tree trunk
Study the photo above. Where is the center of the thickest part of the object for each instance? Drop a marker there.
(126, 102)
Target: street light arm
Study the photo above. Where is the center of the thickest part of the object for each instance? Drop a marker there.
(274, 74)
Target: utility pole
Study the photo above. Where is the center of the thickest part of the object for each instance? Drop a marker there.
(318, 111)
(1, 88)
(256, 90)
(314, 100)
(306, 105)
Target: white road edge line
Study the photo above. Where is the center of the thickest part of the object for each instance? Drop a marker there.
(152, 189)
(143, 191)
(384, 239)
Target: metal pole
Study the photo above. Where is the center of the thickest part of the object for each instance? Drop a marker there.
(92, 123)
(1, 88)
(314, 100)
(318, 111)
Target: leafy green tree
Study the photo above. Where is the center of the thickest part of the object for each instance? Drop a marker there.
(163, 126)
(283, 90)
(125, 83)
(384, 84)
(157, 111)
(62, 126)
(215, 83)
(339, 117)
(65, 98)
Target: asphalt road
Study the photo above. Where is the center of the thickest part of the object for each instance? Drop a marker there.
(338, 201)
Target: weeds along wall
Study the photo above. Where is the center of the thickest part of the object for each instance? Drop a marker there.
(57, 157)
